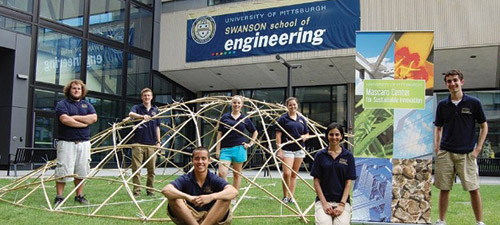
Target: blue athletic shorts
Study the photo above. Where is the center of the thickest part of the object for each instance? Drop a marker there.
(236, 154)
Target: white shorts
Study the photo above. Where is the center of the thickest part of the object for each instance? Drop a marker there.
(300, 154)
(72, 158)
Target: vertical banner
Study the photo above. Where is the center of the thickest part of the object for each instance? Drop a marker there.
(393, 130)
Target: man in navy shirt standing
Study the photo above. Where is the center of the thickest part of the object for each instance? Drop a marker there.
(75, 115)
(455, 144)
(148, 133)
(199, 197)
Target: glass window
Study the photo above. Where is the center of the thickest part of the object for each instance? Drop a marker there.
(270, 95)
(141, 27)
(137, 75)
(182, 94)
(107, 19)
(162, 89)
(23, 5)
(128, 107)
(44, 130)
(339, 106)
(313, 94)
(146, 2)
(104, 69)
(15, 25)
(47, 100)
(217, 93)
(320, 112)
(69, 12)
(58, 57)
(108, 112)
(245, 93)
(218, 2)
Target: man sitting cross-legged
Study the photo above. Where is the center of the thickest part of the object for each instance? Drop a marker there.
(199, 197)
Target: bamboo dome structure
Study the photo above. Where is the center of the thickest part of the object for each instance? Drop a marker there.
(185, 125)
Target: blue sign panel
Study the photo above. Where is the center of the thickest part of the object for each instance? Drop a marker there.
(303, 27)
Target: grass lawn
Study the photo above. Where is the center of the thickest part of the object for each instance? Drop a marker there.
(256, 203)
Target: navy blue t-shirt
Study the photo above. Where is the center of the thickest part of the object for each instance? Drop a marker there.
(146, 133)
(333, 173)
(295, 128)
(458, 122)
(187, 183)
(234, 138)
(72, 108)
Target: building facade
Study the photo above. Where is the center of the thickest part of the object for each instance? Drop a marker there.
(119, 47)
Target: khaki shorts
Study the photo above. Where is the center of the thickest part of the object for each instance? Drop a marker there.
(199, 216)
(72, 158)
(449, 164)
(324, 219)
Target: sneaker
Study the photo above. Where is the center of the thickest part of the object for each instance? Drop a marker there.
(285, 200)
(58, 200)
(440, 222)
(233, 202)
(291, 200)
(81, 199)
(480, 223)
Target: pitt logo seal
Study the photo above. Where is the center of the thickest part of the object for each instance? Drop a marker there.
(203, 29)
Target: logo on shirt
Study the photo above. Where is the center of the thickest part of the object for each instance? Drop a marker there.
(207, 190)
(343, 161)
(85, 106)
(466, 111)
(153, 113)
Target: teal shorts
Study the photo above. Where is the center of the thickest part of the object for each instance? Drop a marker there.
(236, 154)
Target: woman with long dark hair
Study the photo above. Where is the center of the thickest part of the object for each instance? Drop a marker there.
(333, 171)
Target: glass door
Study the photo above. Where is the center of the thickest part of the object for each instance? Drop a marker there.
(45, 127)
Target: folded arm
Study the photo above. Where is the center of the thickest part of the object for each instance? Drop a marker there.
(71, 122)
(171, 192)
(227, 194)
(87, 119)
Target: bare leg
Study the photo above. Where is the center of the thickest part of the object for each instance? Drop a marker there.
(223, 170)
(236, 176)
(293, 177)
(444, 197)
(286, 175)
(60, 188)
(217, 212)
(477, 205)
(79, 191)
(181, 211)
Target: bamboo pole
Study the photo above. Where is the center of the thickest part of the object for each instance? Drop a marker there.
(267, 113)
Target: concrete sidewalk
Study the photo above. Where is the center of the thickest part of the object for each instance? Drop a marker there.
(484, 180)
(158, 171)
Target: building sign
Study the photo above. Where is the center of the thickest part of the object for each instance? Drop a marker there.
(302, 27)
(394, 94)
